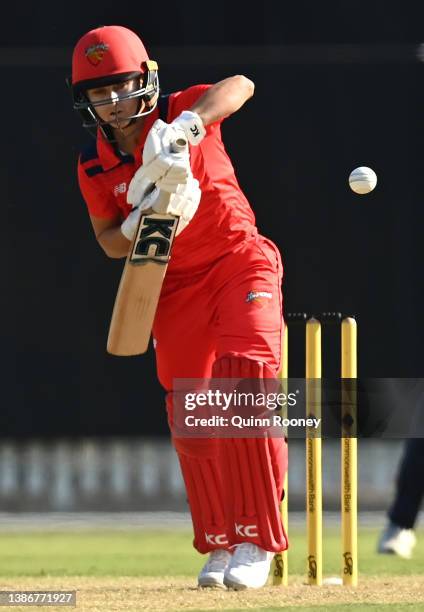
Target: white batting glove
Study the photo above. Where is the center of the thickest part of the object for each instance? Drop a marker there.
(187, 125)
(184, 203)
(130, 224)
(192, 125)
(159, 162)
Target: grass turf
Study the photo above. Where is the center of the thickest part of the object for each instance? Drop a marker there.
(156, 571)
(159, 553)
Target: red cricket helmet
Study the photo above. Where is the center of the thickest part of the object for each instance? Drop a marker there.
(108, 55)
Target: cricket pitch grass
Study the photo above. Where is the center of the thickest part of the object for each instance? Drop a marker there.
(156, 570)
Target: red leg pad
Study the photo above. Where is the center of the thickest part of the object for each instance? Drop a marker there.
(253, 471)
(200, 468)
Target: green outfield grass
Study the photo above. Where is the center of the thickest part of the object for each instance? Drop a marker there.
(158, 553)
(156, 571)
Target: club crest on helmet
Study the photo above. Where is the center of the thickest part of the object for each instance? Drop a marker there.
(95, 53)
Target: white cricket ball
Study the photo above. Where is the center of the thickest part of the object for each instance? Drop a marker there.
(362, 180)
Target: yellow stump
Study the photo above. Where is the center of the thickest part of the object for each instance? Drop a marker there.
(280, 568)
(313, 454)
(349, 457)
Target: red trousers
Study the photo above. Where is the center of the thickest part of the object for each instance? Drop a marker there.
(200, 319)
(231, 313)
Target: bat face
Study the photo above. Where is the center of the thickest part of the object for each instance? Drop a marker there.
(154, 238)
(141, 284)
(142, 278)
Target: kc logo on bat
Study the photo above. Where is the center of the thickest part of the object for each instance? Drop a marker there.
(154, 239)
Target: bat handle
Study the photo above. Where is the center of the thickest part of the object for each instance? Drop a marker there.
(178, 145)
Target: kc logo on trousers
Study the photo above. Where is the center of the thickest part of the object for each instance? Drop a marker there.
(219, 539)
(246, 531)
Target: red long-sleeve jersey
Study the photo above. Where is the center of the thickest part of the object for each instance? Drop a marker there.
(224, 217)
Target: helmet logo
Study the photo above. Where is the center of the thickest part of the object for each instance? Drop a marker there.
(95, 53)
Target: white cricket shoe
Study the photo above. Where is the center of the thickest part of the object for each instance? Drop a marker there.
(398, 541)
(212, 574)
(248, 568)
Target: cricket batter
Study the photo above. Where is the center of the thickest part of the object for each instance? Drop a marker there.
(220, 310)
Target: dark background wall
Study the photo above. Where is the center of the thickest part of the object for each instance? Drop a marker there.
(338, 85)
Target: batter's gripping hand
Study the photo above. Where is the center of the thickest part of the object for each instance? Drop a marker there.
(192, 125)
(160, 163)
(187, 125)
(183, 203)
(129, 225)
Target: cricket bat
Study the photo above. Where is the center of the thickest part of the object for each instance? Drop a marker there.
(141, 281)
